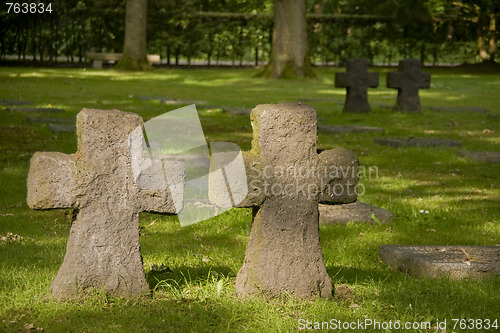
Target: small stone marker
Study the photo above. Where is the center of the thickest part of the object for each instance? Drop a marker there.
(408, 80)
(98, 182)
(349, 129)
(59, 128)
(455, 262)
(482, 156)
(287, 179)
(417, 142)
(17, 109)
(357, 80)
(353, 212)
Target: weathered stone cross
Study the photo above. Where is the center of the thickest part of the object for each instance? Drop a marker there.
(357, 80)
(408, 80)
(286, 179)
(100, 184)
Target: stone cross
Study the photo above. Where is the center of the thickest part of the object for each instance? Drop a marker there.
(357, 80)
(286, 180)
(98, 182)
(408, 80)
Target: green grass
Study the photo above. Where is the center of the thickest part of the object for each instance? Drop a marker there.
(462, 197)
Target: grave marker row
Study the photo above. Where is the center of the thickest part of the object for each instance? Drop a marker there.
(283, 254)
(407, 80)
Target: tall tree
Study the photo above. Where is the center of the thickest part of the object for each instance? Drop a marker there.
(135, 50)
(289, 56)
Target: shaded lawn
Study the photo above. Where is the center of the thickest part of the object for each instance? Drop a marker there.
(462, 197)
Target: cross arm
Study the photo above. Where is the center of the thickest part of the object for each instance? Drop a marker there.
(254, 171)
(373, 79)
(394, 80)
(424, 81)
(159, 183)
(51, 180)
(338, 176)
(343, 79)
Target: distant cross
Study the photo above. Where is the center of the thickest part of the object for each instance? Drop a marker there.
(287, 179)
(103, 251)
(408, 80)
(356, 80)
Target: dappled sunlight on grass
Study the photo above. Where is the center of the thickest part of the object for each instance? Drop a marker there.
(436, 198)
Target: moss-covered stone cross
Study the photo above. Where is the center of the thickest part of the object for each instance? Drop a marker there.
(108, 184)
(287, 179)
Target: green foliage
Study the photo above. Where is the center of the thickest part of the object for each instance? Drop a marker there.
(240, 31)
(196, 293)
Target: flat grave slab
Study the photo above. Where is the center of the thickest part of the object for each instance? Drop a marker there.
(237, 111)
(169, 100)
(149, 98)
(417, 142)
(320, 99)
(354, 212)
(458, 109)
(48, 120)
(60, 128)
(348, 129)
(482, 156)
(13, 102)
(30, 109)
(180, 101)
(455, 262)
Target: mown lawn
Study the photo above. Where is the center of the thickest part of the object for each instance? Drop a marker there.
(436, 198)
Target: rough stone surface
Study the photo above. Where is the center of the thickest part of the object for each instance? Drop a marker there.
(482, 156)
(51, 180)
(59, 128)
(408, 80)
(48, 120)
(17, 109)
(353, 212)
(417, 142)
(349, 129)
(356, 80)
(455, 262)
(284, 254)
(98, 182)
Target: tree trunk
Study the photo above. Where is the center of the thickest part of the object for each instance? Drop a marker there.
(289, 56)
(135, 50)
(492, 42)
(168, 54)
(482, 48)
